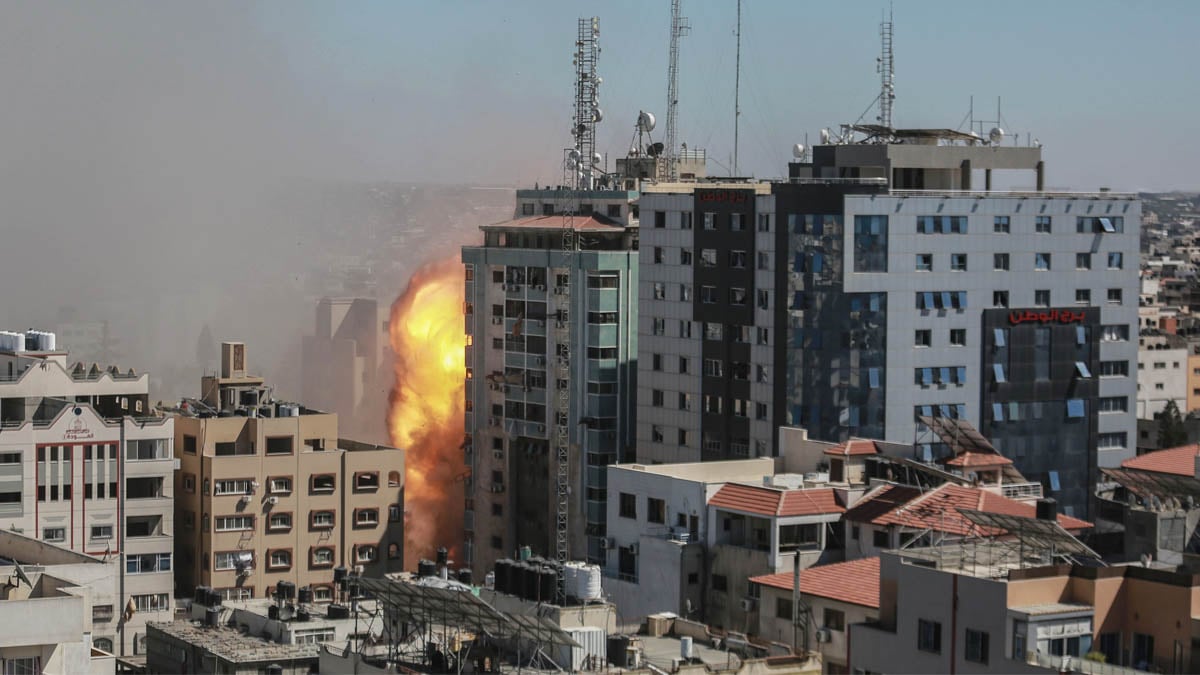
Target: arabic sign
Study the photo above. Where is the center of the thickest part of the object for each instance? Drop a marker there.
(1061, 316)
(77, 431)
(725, 196)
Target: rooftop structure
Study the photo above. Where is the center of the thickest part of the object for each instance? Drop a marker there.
(182, 646)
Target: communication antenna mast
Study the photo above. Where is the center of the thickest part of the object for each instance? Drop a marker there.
(737, 81)
(587, 104)
(887, 72)
(679, 27)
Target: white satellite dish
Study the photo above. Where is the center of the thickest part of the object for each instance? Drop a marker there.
(996, 135)
(597, 115)
(596, 158)
(573, 153)
(645, 121)
(798, 151)
(824, 137)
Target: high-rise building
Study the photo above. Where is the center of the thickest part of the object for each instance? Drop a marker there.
(552, 344)
(85, 464)
(875, 287)
(341, 364)
(267, 492)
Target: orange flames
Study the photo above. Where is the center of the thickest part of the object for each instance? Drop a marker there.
(425, 415)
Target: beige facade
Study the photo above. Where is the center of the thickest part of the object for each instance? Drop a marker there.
(85, 465)
(267, 492)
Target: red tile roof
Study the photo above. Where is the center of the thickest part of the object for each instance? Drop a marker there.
(768, 501)
(854, 447)
(558, 222)
(1179, 461)
(971, 460)
(938, 509)
(855, 581)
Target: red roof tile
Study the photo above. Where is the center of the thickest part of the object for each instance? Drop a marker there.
(558, 222)
(1179, 461)
(768, 501)
(971, 460)
(854, 447)
(939, 509)
(855, 581)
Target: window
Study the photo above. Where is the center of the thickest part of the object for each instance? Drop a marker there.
(712, 367)
(280, 484)
(737, 296)
(682, 437)
(764, 336)
(1041, 298)
(737, 260)
(870, 243)
(783, 607)
(1000, 225)
(147, 563)
(1000, 262)
(923, 338)
(1114, 369)
(279, 559)
(322, 483)
(279, 522)
(1109, 404)
(322, 557)
(958, 337)
(713, 331)
(1041, 261)
(1114, 296)
(189, 441)
(102, 532)
(929, 636)
(710, 220)
(238, 486)
(720, 583)
(712, 404)
(366, 517)
(958, 262)
(685, 401)
(628, 506)
(234, 523)
(656, 362)
(708, 257)
(279, 445)
(685, 293)
(977, 646)
(1115, 333)
(1115, 261)
(366, 480)
(835, 619)
(999, 298)
(660, 219)
(366, 553)
(23, 665)
(657, 327)
(1109, 225)
(1115, 440)
(154, 602)
(879, 539)
(1083, 261)
(54, 534)
(942, 224)
(708, 294)
(764, 299)
(1083, 296)
(148, 448)
(685, 256)
(656, 433)
(321, 520)
(924, 262)
(683, 364)
(656, 510)
(685, 220)
(660, 290)
(1042, 224)
(656, 398)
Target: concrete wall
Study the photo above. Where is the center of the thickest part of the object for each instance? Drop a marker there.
(1163, 376)
(771, 626)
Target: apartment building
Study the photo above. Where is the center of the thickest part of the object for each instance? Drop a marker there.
(551, 316)
(877, 286)
(1163, 361)
(86, 464)
(267, 492)
(341, 364)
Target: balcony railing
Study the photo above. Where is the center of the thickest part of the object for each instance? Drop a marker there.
(1022, 490)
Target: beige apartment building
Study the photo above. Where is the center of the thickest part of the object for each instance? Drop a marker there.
(267, 492)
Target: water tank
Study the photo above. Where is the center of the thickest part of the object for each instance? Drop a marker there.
(302, 614)
(685, 647)
(527, 578)
(548, 588)
(1047, 509)
(306, 594)
(286, 589)
(571, 578)
(464, 575)
(214, 598)
(526, 553)
(489, 581)
(587, 586)
(336, 611)
(339, 574)
(212, 616)
(273, 612)
(18, 342)
(426, 568)
(443, 556)
(501, 572)
(201, 595)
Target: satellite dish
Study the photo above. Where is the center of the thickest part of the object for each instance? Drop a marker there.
(798, 151)
(645, 121)
(596, 158)
(597, 114)
(996, 135)
(654, 149)
(824, 137)
(573, 154)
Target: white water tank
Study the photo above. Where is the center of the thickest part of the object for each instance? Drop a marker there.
(18, 342)
(685, 647)
(587, 584)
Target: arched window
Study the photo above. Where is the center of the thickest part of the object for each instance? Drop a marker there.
(393, 479)
(103, 644)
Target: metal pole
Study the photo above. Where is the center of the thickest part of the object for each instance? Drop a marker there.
(737, 81)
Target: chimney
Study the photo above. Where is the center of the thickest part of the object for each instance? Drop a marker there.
(1047, 509)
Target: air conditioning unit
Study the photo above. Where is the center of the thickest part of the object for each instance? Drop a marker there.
(749, 604)
(824, 635)
(607, 543)
(273, 500)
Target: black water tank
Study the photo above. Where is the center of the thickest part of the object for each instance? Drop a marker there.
(306, 594)
(339, 573)
(212, 616)
(336, 611)
(548, 588)
(286, 589)
(1047, 509)
(501, 572)
(201, 595)
(273, 612)
(443, 556)
(214, 598)
(529, 582)
(464, 575)
(426, 568)
(302, 614)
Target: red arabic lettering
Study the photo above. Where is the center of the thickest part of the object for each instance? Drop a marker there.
(1061, 316)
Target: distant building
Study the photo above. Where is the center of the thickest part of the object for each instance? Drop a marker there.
(267, 492)
(1163, 361)
(181, 647)
(86, 464)
(341, 362)
(552, 348)
(59, 609)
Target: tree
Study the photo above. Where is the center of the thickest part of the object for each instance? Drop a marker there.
(1171, 431)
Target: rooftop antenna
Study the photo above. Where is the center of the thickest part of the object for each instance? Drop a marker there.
(886, 67)
(737, 81)
(679, 27)
(583, 160)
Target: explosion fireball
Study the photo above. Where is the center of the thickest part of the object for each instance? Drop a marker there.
(425, 412)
